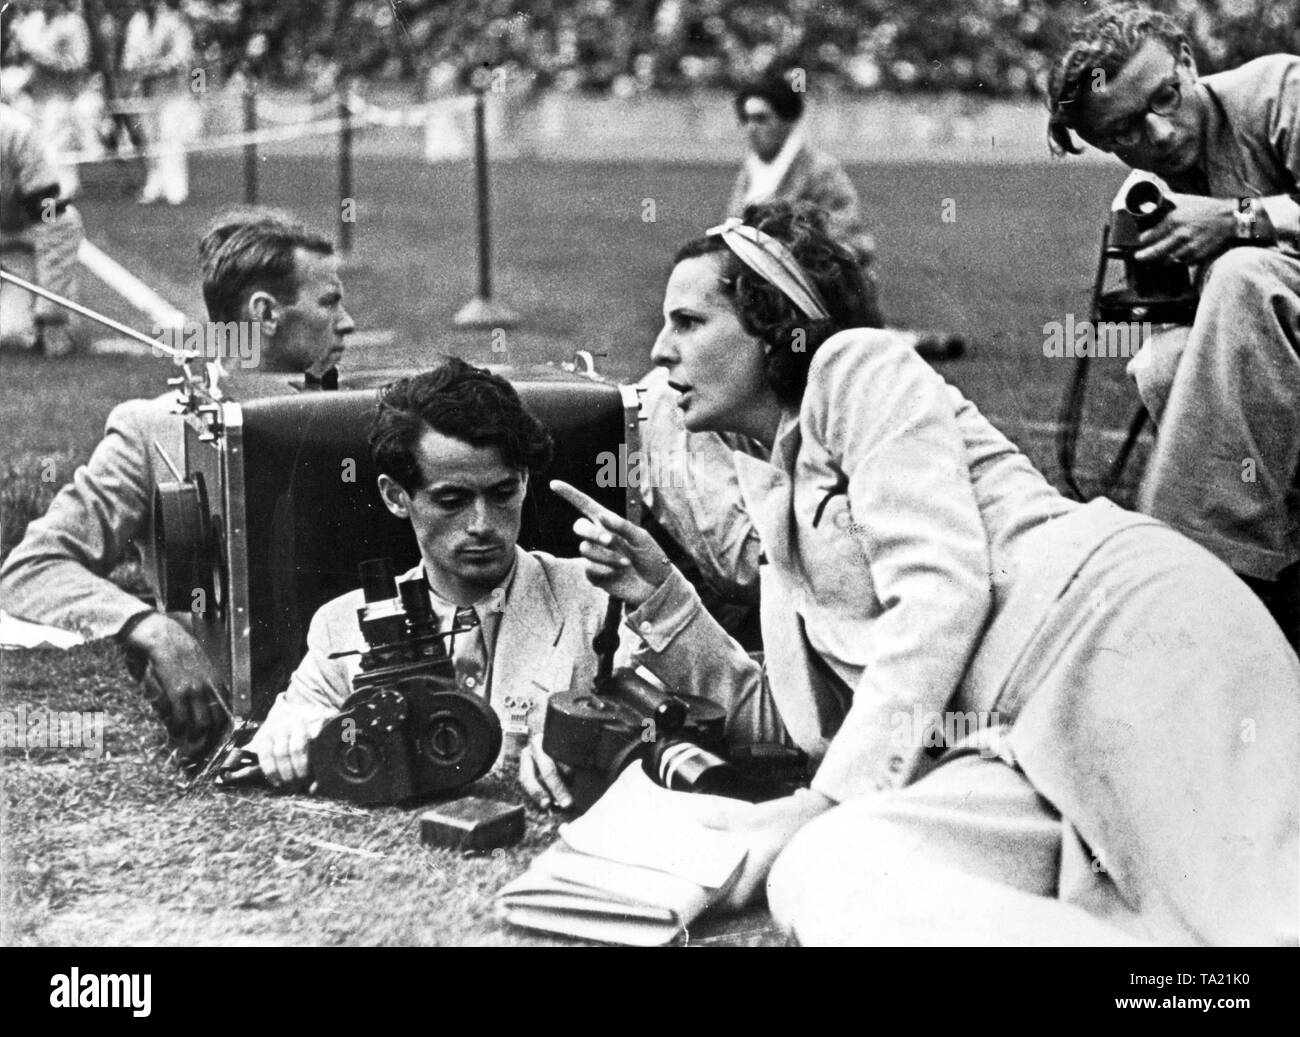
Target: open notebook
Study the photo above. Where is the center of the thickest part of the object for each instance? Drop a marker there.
(637, 868)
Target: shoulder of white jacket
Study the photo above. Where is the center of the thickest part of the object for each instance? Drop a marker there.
(145, 413)
(858, 348)
(818, 161)
(568, 580)
(1258, 82)
(340, 611)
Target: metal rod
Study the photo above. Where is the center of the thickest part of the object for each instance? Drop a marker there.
(484, 218)
(250, 149)
(176, 472)
(108, 322)
(345, 166)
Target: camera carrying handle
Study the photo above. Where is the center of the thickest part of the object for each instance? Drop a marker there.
(605, 643)
(442, 633)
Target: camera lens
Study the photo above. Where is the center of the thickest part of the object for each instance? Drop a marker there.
(444, 740)
(358, 761)
(685, 767)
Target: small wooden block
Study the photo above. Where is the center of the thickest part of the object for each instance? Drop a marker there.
(472, 823)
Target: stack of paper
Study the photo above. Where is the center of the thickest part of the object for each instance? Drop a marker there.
(636, 869)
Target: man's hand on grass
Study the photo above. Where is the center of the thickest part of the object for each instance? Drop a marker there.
(281, 747)
(188, 703)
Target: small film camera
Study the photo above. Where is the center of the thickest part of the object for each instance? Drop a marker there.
(626, 719)
(1159, 292)
(406, 731)
(1152, 293)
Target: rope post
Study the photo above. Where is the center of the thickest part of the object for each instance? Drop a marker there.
(483, 311)
(346, 201)
(250, 149)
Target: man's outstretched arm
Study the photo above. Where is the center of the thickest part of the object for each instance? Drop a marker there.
(59, 573)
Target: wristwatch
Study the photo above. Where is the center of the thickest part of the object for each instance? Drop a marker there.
(1247, 217)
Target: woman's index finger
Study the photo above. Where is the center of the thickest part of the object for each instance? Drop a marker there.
(575, 497)
(590, 507)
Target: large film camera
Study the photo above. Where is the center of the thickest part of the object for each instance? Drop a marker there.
(406, 731)
(1149, 293)
(627, 719)
(274, 506)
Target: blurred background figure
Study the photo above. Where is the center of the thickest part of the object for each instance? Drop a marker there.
(39, 237)
(783, 166)
(158, 59)
(52, 48)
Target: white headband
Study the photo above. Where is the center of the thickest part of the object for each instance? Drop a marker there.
(771, 260)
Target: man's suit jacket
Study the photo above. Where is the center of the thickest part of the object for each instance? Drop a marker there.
(817, 178)
(59, 573)
(549, 618)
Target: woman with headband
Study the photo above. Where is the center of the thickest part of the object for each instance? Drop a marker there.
(1032, 720)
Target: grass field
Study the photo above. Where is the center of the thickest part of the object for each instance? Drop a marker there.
(109, 850)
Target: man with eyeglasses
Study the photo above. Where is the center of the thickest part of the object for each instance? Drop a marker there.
(1224, 468)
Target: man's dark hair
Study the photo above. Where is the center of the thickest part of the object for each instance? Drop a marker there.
(1101, 44)
(253, 250)
(458, 400)
(768, 314)
(777, 91)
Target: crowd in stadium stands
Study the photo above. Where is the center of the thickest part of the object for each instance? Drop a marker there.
(990, 47)
(994, 47)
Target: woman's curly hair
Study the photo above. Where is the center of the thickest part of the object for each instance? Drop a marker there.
(768, 314)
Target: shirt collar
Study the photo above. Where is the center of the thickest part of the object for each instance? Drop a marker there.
(785, 445)
(766, 177)
(487, 606)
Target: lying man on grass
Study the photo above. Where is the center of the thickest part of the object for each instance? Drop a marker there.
(455, 448)
(262, 273)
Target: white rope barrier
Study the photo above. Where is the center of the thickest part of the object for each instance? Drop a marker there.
(363, 116)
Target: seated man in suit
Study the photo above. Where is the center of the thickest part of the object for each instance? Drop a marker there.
(455, 449)
(263, 274)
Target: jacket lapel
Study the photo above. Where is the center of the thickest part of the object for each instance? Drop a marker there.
(767, 489)
(811, 710)
(796, 177)
(528, 658)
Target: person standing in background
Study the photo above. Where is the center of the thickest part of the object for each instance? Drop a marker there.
(158, 53)
(782, 166)
(37, 226)
(53, 47)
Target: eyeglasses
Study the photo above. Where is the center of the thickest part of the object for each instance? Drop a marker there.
(1167, 99)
